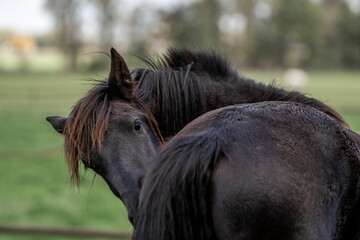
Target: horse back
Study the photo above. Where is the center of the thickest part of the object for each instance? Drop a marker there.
(287, 174)
(272, 170)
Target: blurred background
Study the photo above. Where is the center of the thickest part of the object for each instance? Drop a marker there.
(49, 49)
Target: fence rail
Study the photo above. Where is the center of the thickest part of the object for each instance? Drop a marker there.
(66, 232)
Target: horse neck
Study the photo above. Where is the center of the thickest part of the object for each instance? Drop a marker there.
(243, 90)
(228, 92)
(175, 101)
(197, 95)
(238, 90)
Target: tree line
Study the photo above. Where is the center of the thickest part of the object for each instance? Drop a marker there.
(253, 33)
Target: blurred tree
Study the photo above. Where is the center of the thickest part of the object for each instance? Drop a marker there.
(67, 21)
(298, 34)
(261, 33)
(349, 32)
(140, 28)
(107, 15)
(342, 35)
(193, 25)
(272, 33)
(285, 33)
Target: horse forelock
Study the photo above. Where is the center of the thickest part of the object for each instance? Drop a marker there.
(86, 126)
(151, 120)
(87, 123)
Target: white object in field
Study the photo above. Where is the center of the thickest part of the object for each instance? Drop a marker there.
(296, 78)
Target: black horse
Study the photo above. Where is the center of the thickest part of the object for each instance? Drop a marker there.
(118, 126)
(270, 170)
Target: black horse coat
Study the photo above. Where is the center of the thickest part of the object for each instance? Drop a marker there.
(272, 170)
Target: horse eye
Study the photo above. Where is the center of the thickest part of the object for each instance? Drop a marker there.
(137, 126)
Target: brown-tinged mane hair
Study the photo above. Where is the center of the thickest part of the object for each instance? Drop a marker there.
(88, 122)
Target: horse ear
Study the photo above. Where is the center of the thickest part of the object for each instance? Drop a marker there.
(58, 123)
(120, 84)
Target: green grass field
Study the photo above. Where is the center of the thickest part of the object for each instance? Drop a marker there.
(35, 189)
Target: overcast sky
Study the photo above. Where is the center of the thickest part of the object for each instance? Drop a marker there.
(30, 17)
(24, 16)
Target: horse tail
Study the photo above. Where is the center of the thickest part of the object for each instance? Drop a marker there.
(175, 201)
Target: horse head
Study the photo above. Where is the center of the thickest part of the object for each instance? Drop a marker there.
(112, 132)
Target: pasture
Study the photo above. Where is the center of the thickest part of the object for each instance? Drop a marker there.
(35, 189)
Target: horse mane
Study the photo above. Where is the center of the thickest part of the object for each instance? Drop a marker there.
(87, 123)
(174, 87)
(175, 199)
(201, 61)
